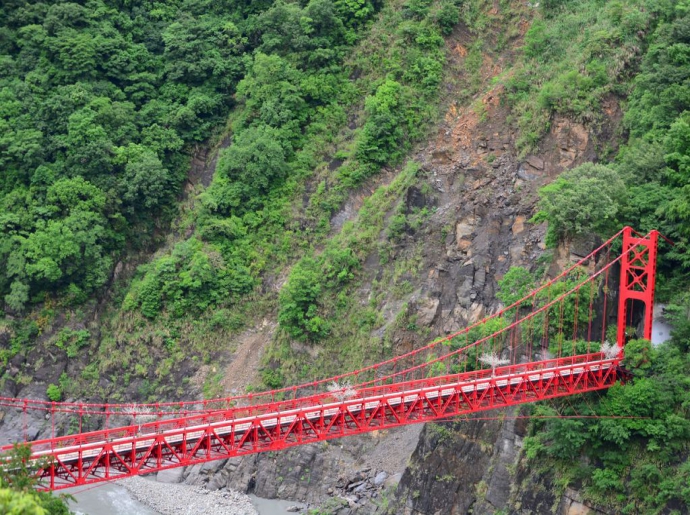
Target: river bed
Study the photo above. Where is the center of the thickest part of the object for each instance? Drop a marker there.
(113, 499)
(106, 499)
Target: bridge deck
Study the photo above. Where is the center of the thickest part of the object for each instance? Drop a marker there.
(107, 455)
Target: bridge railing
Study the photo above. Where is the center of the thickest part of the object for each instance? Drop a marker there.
(287, 408)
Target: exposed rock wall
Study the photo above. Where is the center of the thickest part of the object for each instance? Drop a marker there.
(462, 467)
(352, 475)
(488, 195)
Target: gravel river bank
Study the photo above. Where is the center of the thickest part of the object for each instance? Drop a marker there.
(140, 496)
(178, 499)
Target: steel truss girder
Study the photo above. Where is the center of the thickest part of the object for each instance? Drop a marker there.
(423, 400)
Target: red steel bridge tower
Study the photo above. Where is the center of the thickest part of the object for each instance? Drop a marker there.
(549, 344)
(638, 276)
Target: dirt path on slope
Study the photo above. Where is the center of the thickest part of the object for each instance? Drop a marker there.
(243, 368)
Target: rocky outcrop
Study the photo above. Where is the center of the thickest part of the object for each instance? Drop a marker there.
(353, 475)
(487, 194)
(439, 479)
(461, 467)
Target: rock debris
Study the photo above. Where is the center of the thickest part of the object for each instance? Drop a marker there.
(179, 499)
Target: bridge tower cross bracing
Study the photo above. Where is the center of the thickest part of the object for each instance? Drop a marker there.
(638, 273)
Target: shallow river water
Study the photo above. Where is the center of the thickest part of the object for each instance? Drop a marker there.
(106, 499)
(112, 499)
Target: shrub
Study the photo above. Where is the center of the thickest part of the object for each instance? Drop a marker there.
(190, 280)
(567, 93)
(272, 378)
(397, 226)
(338, 266)
(247, 171)
(536, 40)
(639, 356)
(383, 132)
(606, 479)
(54, 393)
(72, 341)
(299, 302)
(585, 199)
(514, 285)
(447, 18)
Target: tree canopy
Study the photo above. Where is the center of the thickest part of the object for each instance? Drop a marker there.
(97, 104)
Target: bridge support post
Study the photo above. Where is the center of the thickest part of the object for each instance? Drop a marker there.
(638, 274)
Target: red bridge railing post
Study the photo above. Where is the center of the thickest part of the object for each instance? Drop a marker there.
(24, 423)
(638, 274)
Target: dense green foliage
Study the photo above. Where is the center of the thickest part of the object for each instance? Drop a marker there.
(638, 463)
(655, 161)
(16, 503)
(648, 184)
(585, 199)
(305, 100)
(98, 101)
(101, 103)
(299, 298)
(17, 494)
(576, 55)
(295, 99)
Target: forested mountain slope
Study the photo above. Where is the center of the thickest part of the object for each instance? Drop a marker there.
(354, 155)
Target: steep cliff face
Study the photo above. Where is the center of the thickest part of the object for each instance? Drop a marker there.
(471, 207)
(470, 466)
(459, 225)
(462, 467)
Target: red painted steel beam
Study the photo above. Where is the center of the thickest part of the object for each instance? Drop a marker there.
(199, 439)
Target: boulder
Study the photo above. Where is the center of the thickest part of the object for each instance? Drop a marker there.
(380, 478)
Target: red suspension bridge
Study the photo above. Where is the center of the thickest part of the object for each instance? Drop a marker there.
(549, 344)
